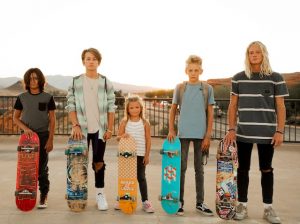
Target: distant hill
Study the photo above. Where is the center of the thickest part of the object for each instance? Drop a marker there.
(63, 82)
(222, 86)
(18, 88)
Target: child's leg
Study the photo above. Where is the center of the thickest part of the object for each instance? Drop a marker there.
(141, 176)
(185, 143)
(43, 164)
(199, 172)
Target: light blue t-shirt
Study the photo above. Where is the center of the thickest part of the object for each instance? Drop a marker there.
(192, 120)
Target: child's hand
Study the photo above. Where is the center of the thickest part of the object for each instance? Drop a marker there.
(28, 132)
(146, 160)
(125, 135)
(49, 146)
(171, 136)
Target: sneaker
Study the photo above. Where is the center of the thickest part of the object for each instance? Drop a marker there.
(202, 208)
(43, 201)
(270, 215)
(180, 211)
(147, 207)
(241, 212)
(117, 206)
(101, 202)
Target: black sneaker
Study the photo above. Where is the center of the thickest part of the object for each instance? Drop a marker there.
(202, 208)
(43, 201)
(180, 212)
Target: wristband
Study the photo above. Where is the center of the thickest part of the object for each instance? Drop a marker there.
(76, 125)
(231, 129)
(109, 131)
(280, 132)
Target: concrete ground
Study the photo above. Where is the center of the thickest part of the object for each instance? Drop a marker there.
(286, 192)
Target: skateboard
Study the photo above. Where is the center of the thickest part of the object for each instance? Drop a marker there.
(170, 176)
(77, 174)
(27, 172)
(127, 175)
(226, 181)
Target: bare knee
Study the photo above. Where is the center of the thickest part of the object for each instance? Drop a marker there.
(98, 166)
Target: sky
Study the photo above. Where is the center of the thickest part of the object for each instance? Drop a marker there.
(146, 42)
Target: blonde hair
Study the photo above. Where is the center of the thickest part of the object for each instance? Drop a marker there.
(193, 59)
(265, 67)
(133, 98)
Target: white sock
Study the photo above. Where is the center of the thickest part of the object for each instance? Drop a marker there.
(267, 205)
(243, 203)
(99, 191)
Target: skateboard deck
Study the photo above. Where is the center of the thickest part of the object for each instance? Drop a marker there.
(27, 172)
(170, 176)
(226, 181)
(127, 175)
(77, 174)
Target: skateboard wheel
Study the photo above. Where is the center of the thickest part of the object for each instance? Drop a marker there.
(33, 194)
(16, 193)
(133, 199)
(161, 151)
(36, 148)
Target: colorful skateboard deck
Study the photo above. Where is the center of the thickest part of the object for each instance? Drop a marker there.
(127, 175)
(226, 181)
(27, 172)
(77, 174)
(170, 176)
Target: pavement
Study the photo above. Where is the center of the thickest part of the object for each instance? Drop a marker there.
(286, 189)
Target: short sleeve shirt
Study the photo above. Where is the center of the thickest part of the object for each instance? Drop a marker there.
(256, 105)
(192, 119)
(35, 109)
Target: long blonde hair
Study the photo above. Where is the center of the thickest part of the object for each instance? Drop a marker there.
(265, 67)
(133, 98)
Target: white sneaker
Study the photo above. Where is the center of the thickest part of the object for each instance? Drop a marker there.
(147, 207)
(270, 215)
(241, 212)
(101, 202)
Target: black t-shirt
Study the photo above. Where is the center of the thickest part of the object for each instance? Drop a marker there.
(35, 109)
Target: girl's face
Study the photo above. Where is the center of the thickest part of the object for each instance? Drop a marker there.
(134, 109)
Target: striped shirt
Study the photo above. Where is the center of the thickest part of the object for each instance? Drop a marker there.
(136, 130)
(256, 105)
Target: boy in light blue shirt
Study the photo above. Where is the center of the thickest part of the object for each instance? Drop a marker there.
(196, 102)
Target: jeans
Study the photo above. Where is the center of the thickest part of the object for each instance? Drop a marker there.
(141, 176)
(265, 155)
(44, 182)
(98, 147)
(198, 166)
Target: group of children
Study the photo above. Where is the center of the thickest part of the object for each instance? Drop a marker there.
(91, 107)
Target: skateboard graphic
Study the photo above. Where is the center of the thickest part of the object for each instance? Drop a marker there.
(226, 180)
(170, 176)
(77, 174)
(27, 172)
(127, 175)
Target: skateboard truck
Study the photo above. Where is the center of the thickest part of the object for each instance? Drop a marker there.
(126, 154)
(170, 153)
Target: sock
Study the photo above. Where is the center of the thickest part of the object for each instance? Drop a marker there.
(267, 205)
(243, 203)
(99, 191)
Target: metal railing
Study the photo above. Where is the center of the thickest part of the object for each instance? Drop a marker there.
(156, 111)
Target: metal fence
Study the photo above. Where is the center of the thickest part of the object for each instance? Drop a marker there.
(156, 111)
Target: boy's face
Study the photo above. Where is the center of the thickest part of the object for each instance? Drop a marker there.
(34, 82)
(193, 70)
(90, 62)
(255, 55)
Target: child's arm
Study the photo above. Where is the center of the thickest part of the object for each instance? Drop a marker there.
(172, 133)
(121, 132)
(20, 124)
(49, 144)
(148, 143)
(210, 118)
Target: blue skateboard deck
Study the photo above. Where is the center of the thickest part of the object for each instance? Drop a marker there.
(77, 179)
(170, 176)
(226, 181)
